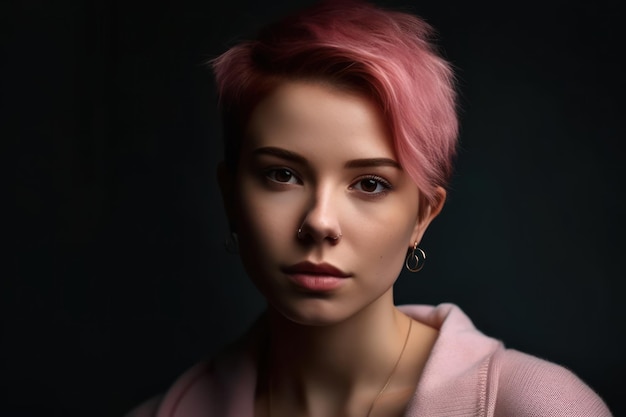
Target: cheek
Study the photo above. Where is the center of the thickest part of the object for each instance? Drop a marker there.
(384, 252)
(389, 224)
(266, 219)
(382, 233)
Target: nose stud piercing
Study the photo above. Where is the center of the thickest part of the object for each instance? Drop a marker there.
(300, 236)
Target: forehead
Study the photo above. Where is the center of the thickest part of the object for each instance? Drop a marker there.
(316, 114)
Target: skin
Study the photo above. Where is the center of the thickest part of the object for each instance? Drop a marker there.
(319, 158)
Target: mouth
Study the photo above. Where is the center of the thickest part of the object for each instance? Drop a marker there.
(310, 268)
(316, 277)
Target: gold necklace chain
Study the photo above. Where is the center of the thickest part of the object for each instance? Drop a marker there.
(391, 374)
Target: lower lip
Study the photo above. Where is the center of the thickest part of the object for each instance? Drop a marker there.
(316, 282)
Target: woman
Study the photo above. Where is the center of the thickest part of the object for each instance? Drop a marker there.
(340, 130)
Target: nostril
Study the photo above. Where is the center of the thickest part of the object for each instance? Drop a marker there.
(319, 235)
(335, 238)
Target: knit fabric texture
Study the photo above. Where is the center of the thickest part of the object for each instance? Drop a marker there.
(467, 374)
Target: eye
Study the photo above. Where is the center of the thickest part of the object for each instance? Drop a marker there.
(282, 176)
(372, 185)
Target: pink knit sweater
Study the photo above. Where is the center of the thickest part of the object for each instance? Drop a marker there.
(467, 374)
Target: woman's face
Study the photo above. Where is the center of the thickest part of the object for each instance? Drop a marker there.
(320, 159)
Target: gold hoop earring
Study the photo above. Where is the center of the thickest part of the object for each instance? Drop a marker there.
(415, 259)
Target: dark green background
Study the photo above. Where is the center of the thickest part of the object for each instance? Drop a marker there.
(121, 279)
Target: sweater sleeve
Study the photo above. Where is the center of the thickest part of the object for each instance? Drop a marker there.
(532, 387)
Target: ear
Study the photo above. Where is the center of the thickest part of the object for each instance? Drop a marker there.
(426, 215)
(226, 184)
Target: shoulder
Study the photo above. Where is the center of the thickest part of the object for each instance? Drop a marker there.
(530, 386)
(222, 385)
(183, 391)
(495, 381)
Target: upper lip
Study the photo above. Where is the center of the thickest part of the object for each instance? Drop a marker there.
(315, 269)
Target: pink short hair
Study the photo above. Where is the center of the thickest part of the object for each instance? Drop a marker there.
(385, 54)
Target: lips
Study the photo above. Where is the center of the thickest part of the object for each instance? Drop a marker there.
(310, 268)
(316, 277)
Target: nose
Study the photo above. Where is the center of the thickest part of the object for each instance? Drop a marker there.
(321, 219)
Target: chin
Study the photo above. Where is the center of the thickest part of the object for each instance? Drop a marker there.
(313, 312)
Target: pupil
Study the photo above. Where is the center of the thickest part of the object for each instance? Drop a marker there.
(368, 185)
(283, 175)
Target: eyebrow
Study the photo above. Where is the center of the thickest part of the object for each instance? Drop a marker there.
(280, 153)
(373, 162)
(355, 163)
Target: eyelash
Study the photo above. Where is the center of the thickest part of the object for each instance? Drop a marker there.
(268, 173)
(380, 180)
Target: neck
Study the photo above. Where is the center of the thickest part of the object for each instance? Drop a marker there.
(331, 364)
